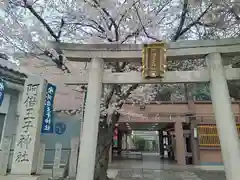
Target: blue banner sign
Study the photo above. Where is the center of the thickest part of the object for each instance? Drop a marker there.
(60, 128)
(2, 88)
(47, 125)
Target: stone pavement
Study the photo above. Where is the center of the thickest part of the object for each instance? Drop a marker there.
(167, 174)
(152, 168)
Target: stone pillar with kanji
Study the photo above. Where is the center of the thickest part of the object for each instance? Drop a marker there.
(27, 143)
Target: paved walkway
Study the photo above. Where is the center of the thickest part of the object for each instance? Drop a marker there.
(151, 168)
(143, 174)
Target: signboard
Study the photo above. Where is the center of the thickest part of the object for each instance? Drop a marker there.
(27, 136)
(154, 60)
(60, 128)
(47, 124)
(2, 88)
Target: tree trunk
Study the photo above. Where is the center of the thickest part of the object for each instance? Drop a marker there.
(103, 146)
(234, 89)
(105, 137)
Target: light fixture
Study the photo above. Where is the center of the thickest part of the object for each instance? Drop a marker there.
(195, 133)
(142, 106)
(154, 74)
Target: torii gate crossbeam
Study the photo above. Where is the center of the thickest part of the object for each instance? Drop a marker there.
(180, 50)
(170, 77)
(213, 50)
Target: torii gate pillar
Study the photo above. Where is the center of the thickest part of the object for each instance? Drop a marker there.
(226, 124)
(87, 154)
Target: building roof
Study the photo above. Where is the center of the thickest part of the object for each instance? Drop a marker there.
(11, 72)
(66, 98)
(10, 66)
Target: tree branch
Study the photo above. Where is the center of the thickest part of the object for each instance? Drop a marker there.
(109, 97)
(194, 22)
(128, 92)
(137, 32)
(110, 18)
(182, 20)
(30, 8)
(98, 29)
(143, 27)
(125, 12)
(133, 34)
(60, 29)
(59, 62)
(205, 25)
(4, 56)
(233, 11)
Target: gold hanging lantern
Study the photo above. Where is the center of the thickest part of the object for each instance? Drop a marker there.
(154, 60)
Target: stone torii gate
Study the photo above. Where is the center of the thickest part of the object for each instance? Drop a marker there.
(215, 52)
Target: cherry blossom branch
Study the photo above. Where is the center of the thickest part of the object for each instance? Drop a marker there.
(135, 33)
(182, 20)
(49, 29)
(143, 27)
(110, 18)
(189, 26)
(125, 12)
(59, 61)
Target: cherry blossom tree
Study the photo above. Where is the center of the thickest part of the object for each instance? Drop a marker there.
(29, 25)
